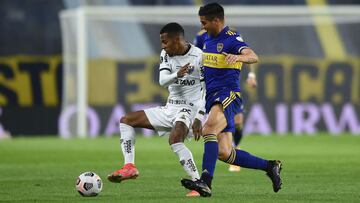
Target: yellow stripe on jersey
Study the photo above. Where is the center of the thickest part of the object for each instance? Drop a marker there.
(229, 32)
(202, 31)
(212, 60)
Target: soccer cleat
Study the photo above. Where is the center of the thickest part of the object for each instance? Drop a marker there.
(234, 168)
(198, 185)
(129, 171)
(273, 171)
(193, 193)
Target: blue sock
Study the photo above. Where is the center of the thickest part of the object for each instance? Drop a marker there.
(244, 159)
(211, 151)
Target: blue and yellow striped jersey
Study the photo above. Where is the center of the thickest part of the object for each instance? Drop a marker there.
(217, 73)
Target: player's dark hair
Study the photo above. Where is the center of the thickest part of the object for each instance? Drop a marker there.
(211, 11)
(173, 29)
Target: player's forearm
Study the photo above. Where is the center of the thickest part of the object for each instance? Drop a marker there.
(166, 78)
(248, 56)
(201, 111)
(249, 59)
(200, 114)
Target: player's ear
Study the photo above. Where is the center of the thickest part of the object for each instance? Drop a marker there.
(216, 21)
(177, 38)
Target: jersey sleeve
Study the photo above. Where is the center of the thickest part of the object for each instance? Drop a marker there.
(164, 62)
(198, 42)
(199, 39)
(166, 76)
(238, 44)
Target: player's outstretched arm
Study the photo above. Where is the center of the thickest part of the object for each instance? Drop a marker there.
(166, 78)
(246, 55)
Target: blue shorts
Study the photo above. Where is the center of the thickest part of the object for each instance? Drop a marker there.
(232, 105)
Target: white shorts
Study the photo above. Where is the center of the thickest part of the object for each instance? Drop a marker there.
(163, 118)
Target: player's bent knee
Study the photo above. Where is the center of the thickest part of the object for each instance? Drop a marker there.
(126, 120)
(123, 120)
(224, 154)
(211, 124)
(209, 128)
(178, 133)
(176, 138)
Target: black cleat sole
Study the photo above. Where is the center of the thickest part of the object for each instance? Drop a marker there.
(191, 185)
(276, 183)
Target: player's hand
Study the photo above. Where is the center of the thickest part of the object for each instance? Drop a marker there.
(251, 80)
(183, 70)
(230, 58)
(197, 129)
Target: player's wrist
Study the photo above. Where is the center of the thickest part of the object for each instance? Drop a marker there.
(177, 76)
(200, 115)
(238, 58)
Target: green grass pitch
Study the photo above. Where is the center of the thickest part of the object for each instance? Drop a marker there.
(319, 168)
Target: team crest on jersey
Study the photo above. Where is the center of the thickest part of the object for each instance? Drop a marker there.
(219, 47)
(190, 69)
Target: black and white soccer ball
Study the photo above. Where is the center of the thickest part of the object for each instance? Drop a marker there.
(89, 184)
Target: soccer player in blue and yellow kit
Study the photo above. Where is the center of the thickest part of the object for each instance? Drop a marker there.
(224, 53)
(239, 117)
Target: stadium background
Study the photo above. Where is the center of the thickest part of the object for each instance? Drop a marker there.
(318, 80)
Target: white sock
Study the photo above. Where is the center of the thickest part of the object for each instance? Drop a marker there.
(127, 142)
(186, 159)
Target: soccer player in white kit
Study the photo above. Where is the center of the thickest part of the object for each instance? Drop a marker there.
(180, 71)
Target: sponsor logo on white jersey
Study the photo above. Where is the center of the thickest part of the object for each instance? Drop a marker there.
(187, 87)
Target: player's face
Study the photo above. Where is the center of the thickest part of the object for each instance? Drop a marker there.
(211, 26)
(169, 43)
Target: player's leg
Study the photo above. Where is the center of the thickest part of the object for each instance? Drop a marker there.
(215, 122)
(127, 142)
(237, 136)
(238, 157)
(229, 154)
(225, 145)
(212, 127)
(176, 141)
(128, 122)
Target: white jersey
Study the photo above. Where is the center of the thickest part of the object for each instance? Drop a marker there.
(185, 101)
(188, 87)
